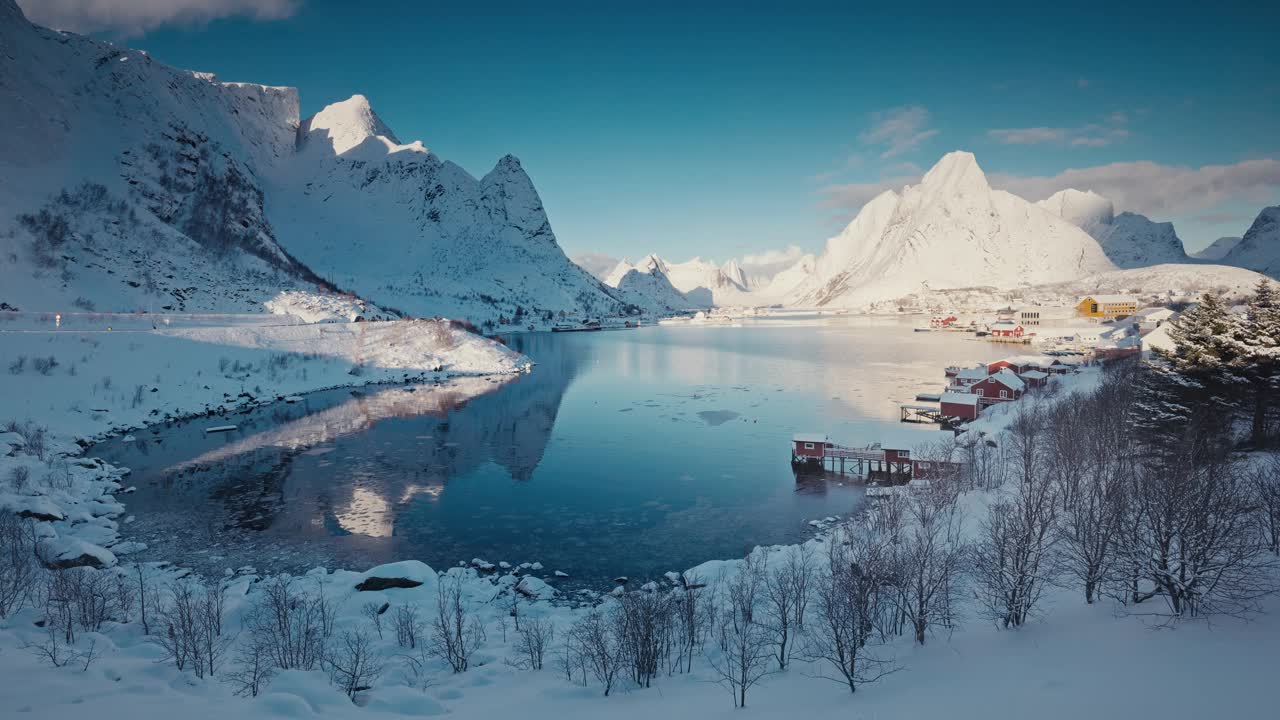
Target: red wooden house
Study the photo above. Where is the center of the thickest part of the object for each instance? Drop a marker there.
(809, 445)
(1000, 387)
(1007, 329)
(960, 405)
(1034, 378)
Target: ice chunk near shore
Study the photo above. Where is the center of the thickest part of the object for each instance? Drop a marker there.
(532, 587)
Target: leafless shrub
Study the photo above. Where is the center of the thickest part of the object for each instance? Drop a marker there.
(1266, 486)
(291, 624)
(408, 626)
(1195, 542)
(353, 663)
(594, 647)
(18, 366)
(373, 613)
(695, 614)
(440, 333)
(928, 559)
(534, 639)
(851, 601)
(455, 631)
(251, 668)
(1012, 558)
(742, 649)
(54, 649)
(643, 624)
(145, 595)
(44, 365)
(19, 567)
(786, 586)
(138, 393)
(191, 627)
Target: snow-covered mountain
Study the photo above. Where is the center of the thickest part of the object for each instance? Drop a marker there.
(1218, 249)
(1259, 249)
(952, 230)
(125, 183)
(1130, 240)
(646, 286)
(784, 284)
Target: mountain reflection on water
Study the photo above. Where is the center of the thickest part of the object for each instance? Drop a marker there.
(624, 453)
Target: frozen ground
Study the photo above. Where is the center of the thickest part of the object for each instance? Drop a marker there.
(1074, 661)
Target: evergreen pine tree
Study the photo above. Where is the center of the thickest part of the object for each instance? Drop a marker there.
(1257, 360)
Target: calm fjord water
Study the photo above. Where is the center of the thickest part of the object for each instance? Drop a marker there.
(621, 453)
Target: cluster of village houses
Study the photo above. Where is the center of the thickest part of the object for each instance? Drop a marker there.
(1097, 328)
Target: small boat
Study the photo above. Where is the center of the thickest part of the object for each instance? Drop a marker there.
(221, 428)
(924, 329)
(588, 326)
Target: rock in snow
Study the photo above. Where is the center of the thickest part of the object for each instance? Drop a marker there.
(404, 574)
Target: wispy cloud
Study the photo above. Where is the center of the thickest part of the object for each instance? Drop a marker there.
(1091, 135)
(127, 18)
(897, 131)
(1146, 187)
(1156, 189)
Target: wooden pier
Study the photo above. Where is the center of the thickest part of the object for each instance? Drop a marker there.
(923, 414)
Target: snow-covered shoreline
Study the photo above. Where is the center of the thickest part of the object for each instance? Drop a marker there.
(129, 678)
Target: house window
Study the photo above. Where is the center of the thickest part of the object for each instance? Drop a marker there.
(808, 446)
(1004, 393)
(1093, 308)
(978, 392)
(924, 466)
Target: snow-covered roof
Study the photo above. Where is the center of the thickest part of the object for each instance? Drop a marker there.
(1155, 314)
(1034, 375)
(960, 398)
(906, 438)
(809, 437)
(1009, 379)
(975, 373)
(1004, 323)
(1040, 360)
(1111, 299)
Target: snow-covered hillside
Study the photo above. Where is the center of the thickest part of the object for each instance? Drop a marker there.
(951, 230)
(1259, 249)
(127, 184)
(1218, 249)
(646, 286)
(1130, 240)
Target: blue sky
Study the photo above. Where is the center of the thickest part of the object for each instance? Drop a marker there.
(730, 129)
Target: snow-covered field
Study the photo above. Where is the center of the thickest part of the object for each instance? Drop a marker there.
(1073, 660)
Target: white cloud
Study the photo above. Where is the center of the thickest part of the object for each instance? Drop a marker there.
(1155, 189)
(1150, 188)
(134, 17)
(1091, 135)
(598, 264)
(898, 131)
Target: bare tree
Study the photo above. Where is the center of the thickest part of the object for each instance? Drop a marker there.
(785, 585)
(251, 668)
(19, 567)
(927, 561)
(593, 642)
(191, 627)
(408, 626)
(293, 625)
(743, 651)
(851, 601)
(145, 595)
(373, 613)
(455, 632)
(1012, 557)
(1266, 485)
(1196, 543)
(534, 638)
(695, 612)
(643, 623)
(353, 663)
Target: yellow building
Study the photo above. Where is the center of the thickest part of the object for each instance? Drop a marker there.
(1106, 307)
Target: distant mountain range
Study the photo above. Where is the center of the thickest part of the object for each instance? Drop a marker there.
(953, 239)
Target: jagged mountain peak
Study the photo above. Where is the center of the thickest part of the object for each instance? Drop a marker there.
(348, 124)
(957, 172)
(1259, 249)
